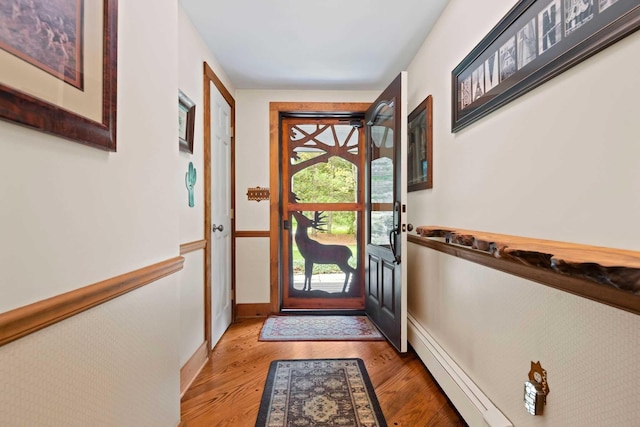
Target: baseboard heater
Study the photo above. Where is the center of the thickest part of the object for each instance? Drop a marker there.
(474, 406)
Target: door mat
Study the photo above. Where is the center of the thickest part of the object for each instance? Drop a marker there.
(319, 328)
(319, 392)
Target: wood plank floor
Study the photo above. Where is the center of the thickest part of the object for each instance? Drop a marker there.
(228, 390)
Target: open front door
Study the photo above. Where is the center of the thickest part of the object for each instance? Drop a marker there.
(386, 211)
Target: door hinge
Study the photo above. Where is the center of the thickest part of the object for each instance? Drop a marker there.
(285, 224)
(231, 213)
(231, 132)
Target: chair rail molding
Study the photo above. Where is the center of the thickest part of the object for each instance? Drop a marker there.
(22, 321)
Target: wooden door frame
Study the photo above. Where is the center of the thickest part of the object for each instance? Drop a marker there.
(210, 76)
(276, 110)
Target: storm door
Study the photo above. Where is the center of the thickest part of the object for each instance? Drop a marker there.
(386, 210)
(322, 213)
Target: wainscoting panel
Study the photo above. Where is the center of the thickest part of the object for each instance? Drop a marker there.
(192, 305)
(474, 406)
(115, 364)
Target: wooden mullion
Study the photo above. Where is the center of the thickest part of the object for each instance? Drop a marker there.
(328, 207)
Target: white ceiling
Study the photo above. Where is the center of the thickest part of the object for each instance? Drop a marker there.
(306, 45)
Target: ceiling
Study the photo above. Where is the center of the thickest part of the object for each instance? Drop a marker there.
(313, 45)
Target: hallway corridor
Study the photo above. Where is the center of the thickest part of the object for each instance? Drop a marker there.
(228, 390)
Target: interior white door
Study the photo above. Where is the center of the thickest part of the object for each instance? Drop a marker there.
(221, 296)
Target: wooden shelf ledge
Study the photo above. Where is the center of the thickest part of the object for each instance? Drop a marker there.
(610, 276)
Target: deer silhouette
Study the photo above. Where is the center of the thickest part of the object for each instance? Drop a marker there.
(316, 253)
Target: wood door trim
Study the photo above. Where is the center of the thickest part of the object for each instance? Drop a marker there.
(253, 233)
(20, 322)
(276, 109)
(186, 248)
(210, 76)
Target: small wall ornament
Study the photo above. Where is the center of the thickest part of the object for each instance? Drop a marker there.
(539, 375)
(190, 181)
(536, 390)
(257, 193)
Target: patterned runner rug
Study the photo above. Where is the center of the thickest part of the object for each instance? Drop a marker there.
(321, 393)
(319, 328)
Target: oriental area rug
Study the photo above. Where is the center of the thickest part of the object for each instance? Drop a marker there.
(319, 328)
(321, 393)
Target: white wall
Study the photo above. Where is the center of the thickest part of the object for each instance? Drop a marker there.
(192, 53)
(252, 170)
(559, 163)
(71, 216)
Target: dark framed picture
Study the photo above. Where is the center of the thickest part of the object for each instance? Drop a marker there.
(58, 60)
(420, 147)
(186, 122)
(534, 42)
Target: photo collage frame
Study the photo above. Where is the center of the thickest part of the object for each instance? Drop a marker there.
(534, 42)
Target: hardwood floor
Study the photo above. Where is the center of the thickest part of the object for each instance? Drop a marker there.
(228, 390)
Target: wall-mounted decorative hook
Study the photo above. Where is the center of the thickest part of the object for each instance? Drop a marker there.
(257, 193)
(190, 181)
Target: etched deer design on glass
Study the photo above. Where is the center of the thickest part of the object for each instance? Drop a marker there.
(314, 252)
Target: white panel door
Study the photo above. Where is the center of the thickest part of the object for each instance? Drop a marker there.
(221, 297)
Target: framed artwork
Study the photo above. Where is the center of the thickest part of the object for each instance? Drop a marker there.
(420, 147)
(534, 42)
(59, 66)
(186, 122)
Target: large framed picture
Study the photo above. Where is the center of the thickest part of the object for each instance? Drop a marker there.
(534, 42)
(58, 60)
(186, 122)
(420, 147)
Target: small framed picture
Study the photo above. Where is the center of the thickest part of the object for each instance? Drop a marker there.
(186, 122)
(420, 146)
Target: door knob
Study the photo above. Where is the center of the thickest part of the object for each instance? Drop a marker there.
(219, 227)
(410, 227)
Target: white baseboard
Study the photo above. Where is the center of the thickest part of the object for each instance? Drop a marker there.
(474, 406)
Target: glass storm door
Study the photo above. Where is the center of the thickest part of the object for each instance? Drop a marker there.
(385, 214)
(322, 210)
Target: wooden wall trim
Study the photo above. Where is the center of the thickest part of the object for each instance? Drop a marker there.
(211, 75)
(253, 233)
(274, 204)
(572, 284)
(25, 320)
(254, 310)
(192, 368)
(186, 248)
